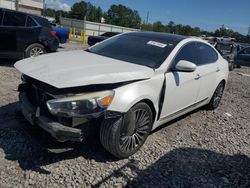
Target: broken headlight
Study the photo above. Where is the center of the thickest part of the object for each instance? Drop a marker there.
(81, 105)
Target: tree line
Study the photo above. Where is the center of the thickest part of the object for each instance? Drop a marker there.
(124, 16)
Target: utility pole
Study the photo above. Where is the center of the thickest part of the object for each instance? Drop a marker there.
(17, 4)
(44, 9)
(248, 34)
(147, 17)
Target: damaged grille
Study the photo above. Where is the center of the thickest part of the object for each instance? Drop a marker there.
(38, 93)
(36, 96)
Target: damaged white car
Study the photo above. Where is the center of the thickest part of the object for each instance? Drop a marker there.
(130, 84)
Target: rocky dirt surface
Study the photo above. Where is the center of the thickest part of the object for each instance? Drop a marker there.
(201, 149)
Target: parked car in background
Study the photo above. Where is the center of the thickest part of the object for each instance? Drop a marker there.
(62, 34)
(130, 84)
(228, 50)
(226, 39)
(25, 35)
(92, 40)
(242, 58)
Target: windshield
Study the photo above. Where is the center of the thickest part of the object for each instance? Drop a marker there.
(135, 48)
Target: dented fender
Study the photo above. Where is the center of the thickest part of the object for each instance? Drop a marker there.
(128, 95)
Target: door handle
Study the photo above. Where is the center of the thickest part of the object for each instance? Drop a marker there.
(218, 70)
(198, 76)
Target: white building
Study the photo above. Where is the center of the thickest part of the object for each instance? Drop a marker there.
(29, 6)
(8, 4)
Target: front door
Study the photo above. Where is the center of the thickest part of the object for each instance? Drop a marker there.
(182, 88)
(9, 29)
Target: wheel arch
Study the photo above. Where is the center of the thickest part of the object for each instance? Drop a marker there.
(224, 82)
(147, 91)
(151, 106)
(28, 45)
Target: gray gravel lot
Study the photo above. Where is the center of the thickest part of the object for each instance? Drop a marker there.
(201, 149)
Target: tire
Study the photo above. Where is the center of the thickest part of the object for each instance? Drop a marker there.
(216, 98)
(58, 39)
(34, 50)
(231, 66)
(124, 136)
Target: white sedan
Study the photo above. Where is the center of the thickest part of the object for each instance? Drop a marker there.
(128, 85)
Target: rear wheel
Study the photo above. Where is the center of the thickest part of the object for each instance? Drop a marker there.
(34, 50)
(123, 137)
(215, 100)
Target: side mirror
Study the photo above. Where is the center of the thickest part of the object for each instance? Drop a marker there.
(185, 66)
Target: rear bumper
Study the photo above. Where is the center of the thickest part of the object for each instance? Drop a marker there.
(58, 131)
(52, 45)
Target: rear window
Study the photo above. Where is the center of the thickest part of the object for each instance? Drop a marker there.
(30, 22)
(43, 22)
(14, 19)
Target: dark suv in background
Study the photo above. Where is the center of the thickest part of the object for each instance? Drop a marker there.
(25, 35)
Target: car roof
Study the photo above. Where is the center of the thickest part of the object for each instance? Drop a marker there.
(159, 35)
(112, 32)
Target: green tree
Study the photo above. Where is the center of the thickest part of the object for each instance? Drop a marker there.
(123, 16)
(99, 14)
(79, 10)
(221, 32)
(147, 27)
(158, 27)
(50, 12)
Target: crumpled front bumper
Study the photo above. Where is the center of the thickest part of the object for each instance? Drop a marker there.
(58, 131)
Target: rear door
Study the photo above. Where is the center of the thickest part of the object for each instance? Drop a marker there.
(28, 35)
(208, 69)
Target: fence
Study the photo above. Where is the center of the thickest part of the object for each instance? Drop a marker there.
(82, 29)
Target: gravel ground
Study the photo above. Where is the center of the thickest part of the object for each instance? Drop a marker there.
(201, 149)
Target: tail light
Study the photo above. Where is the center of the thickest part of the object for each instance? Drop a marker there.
(53, 33)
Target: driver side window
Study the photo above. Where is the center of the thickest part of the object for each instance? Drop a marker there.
(187, 53)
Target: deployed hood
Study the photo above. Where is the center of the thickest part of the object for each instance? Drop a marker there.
(80, 68)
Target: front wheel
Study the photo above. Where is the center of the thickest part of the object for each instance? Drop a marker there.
(216, 98)
(124, 136)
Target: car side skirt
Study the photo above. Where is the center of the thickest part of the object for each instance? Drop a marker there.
(181, 112)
